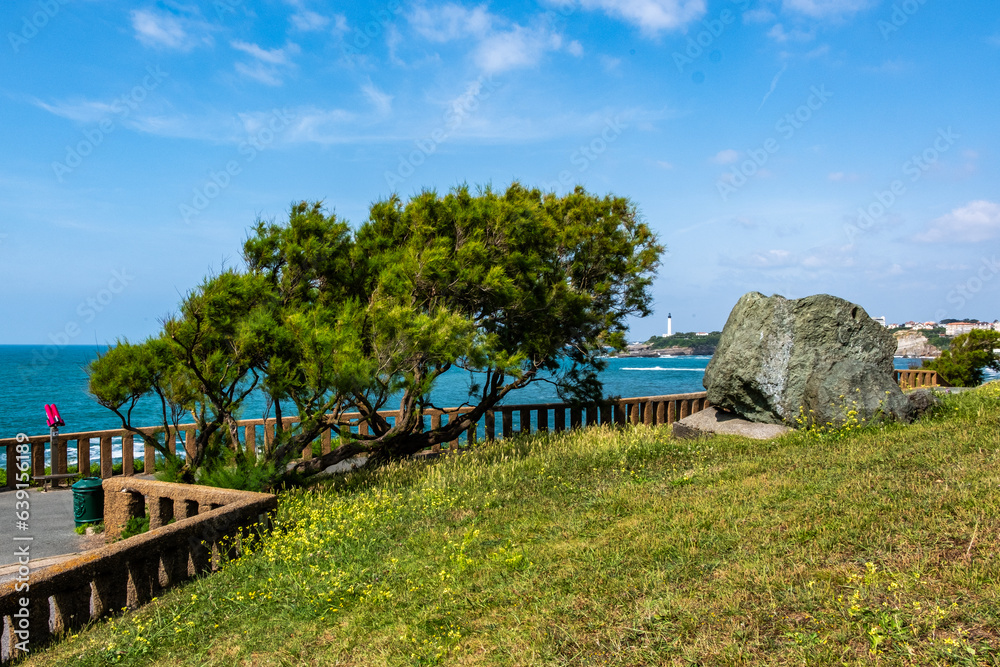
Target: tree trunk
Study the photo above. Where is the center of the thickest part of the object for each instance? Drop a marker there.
(320, 463)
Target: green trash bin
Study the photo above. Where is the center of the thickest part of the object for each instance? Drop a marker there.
(88, 501)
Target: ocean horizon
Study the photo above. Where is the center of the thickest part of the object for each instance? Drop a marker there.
(35, 375)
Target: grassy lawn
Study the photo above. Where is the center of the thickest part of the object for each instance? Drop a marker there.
(615, 547)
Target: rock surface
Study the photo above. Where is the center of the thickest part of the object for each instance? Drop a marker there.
(914, 344)
(922, 401)
(712, 420)
(821, 356)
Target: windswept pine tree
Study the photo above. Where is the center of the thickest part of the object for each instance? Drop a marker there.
(515, 287)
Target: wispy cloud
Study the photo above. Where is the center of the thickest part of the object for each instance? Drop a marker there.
(782, 36)
(764, 259)
(650, 16)
(162, 30)
(842, 177)
(976, 222)
(514, 48)
(499, 44)
(309, 21)
(759, 15)
(727, 156)
(82, 111)
(821, 9)
(774, 85)
(450, 21)
(270, 56)
(268, 65)
(892, 66)
(380, 100)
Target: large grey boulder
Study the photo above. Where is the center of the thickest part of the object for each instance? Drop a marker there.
(821, 357)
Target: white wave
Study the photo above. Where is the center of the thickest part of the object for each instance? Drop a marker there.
(661, 368)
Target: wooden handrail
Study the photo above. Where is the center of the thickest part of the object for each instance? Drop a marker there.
(516, 418)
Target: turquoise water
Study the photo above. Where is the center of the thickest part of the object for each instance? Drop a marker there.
(31, 376)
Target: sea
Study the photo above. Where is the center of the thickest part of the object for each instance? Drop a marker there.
(32, 376)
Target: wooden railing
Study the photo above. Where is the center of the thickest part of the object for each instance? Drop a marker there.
(501, 422)
(918, 377)
(212, 526)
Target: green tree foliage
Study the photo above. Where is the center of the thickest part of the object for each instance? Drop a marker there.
(514, 287)
(702, 344)
(202, 366)
(964, 363)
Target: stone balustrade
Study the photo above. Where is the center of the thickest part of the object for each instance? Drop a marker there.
(193, 530)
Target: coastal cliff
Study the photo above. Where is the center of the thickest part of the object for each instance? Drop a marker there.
(914, 344)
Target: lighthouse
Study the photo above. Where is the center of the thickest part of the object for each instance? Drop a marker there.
(670, 326)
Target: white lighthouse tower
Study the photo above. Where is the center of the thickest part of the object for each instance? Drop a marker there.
(670, 326)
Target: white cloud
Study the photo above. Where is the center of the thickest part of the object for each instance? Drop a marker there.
(260, 72)
(780, 35)
(609, 63)
(270, 56)
(501, 45)
(976, 222)
(767, 259)
(381, 101)
(157, 29)
(812, 260)
(774, 85)
(268, 64)
(84, 111)
(727, 156)
(651, 16)
(760, 15)
(309, 21)
(450, 21)
(325, 126)
(842, 177)
(819, 9)
(518, 47)
(892, 66)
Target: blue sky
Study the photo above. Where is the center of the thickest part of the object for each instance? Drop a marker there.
(847, 147)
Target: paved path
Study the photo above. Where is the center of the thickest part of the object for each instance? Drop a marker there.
(50, 525)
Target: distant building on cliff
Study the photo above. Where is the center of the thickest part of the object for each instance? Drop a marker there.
(959, 328)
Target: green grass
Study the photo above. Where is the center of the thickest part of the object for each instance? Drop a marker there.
(615, 547)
